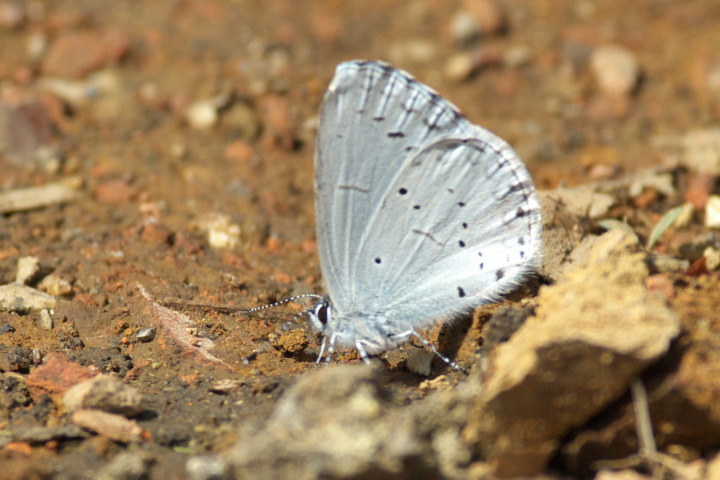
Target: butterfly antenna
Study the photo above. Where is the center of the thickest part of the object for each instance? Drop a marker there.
(282, 302)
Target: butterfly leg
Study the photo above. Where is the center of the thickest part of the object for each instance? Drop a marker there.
(323, 348)
(330, 344)
(363, 353)
(413, 333)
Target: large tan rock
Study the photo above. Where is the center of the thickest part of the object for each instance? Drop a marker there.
(594, 330)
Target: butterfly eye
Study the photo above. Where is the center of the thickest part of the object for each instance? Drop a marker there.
(321, 312)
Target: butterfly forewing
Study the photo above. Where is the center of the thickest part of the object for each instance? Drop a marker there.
(466, 243)
(420, 213)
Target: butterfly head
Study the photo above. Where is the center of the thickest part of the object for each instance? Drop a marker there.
(319, 314)
(369, 334)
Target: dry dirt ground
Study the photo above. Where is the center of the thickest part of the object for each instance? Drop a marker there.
(178, 135)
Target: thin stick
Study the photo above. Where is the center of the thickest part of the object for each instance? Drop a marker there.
(648, 448)
(36, 197)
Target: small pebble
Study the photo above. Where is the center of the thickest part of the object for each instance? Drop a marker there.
(712, 212)
(460, 66)
(12, 14)
(667, 264)
(517, 56)
(225, 386)
(686, 216)
(701, 151)
(420, 362)
(712, 258)
(489, 17)
(109, 425)
(242, 119)
(55, 285)
(37, 356)
(464, 27)
(222, 234)
(293, 341)
(207, 467)
(125, 466)
(202, 114)
(45, 321)
(27, 268)
(146, 334)
(19, 298)
(19, 359)
(107, 394)
(7, 328)
(616, 69)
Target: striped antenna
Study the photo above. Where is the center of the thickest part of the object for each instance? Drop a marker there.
(179, 304)
(282, 302)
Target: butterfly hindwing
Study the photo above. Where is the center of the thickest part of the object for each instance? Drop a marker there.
(420, 213)
(445, 237)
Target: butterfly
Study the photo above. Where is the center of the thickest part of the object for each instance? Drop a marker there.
(421, 215)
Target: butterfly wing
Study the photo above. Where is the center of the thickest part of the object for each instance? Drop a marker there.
(420, 213)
